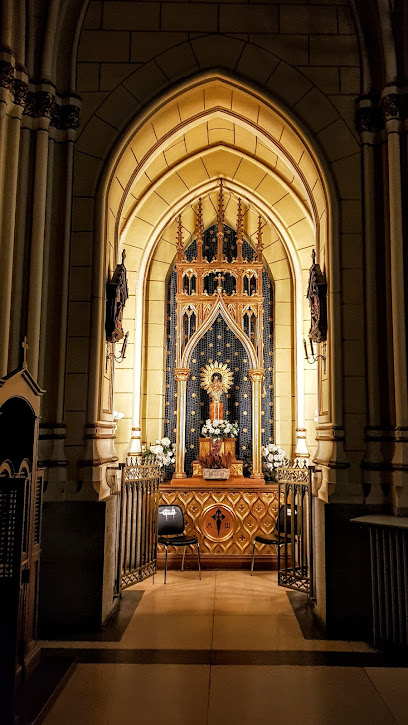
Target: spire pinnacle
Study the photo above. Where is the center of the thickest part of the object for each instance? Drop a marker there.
(199, 231)
(259, 245)
(179, 238)
(240, 231)
(220, 222)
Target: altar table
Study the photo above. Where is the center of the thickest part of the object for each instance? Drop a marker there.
(225, 516)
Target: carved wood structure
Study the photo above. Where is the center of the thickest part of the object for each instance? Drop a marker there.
(21, 494)
(197, 309)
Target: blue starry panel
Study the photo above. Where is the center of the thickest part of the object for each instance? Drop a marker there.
(219, 343)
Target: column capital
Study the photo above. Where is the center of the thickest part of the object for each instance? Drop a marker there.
(368, 118)
(182, 374)
(256, 374)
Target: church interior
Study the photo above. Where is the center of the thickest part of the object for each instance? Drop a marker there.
(203, 361)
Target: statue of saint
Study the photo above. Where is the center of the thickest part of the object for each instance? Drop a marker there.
(116, 295)
(215, 391)
(216, 379)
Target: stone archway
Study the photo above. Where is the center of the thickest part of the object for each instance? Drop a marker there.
(281, 176)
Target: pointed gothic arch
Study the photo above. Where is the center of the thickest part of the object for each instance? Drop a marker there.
(292, 217)
(218, 309)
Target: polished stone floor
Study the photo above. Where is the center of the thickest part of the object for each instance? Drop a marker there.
(221, 651)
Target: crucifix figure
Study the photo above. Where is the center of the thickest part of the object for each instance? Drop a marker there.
(220, 279)
(24, 345)
(218, 518)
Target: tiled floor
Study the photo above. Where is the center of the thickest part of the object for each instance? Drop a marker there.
(226, 650)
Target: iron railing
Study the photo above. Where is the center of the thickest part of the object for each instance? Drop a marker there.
(295, 549)
(138, 506)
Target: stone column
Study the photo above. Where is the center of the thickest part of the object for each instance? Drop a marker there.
(256, 375)
(21, 230)
(38, 234)
(181, 375)
(391, 111)
(12, 136)
(368, 124)
(65, 278)
(136, 440)
(300, 445)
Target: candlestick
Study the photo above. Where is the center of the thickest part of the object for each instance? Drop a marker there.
(305, 346)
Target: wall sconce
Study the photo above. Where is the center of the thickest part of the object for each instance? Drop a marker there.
(312, 358)
(122, 354)
(116, 417)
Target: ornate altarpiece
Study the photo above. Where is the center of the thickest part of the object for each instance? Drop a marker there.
(219, 309)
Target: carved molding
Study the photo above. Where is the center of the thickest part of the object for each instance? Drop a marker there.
(372, 112)
(20, 89)
(368, 119)
(391, 106)
(256, 375)
(38, 103)
(69, 117)
(182, 374)
(6, 74)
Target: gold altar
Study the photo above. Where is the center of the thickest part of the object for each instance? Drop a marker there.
(225, 517)
(197, 309)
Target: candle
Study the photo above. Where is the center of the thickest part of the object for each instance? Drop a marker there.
(306, 355)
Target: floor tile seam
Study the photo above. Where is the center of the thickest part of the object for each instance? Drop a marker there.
(220, 657)
(372, 683)
(213, 612)
(211, 650)
(257, 614)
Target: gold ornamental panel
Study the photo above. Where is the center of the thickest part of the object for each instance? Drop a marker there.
(236, 470)
(255, 513)
(218, 522)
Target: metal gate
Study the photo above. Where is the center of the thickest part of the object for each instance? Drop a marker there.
(138, 507)
(295, 546)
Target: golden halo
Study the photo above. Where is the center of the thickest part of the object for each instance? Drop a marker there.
(222, 370)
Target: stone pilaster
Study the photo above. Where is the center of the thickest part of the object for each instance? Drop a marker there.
(392, 107)
(256, 376)
(182, 375)
(369, 123)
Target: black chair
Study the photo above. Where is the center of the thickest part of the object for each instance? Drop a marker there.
(171, 533)
(283, 527)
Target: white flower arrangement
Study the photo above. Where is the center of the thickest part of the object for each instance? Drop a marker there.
(273, 457)
(163, 451)
(217, 429)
